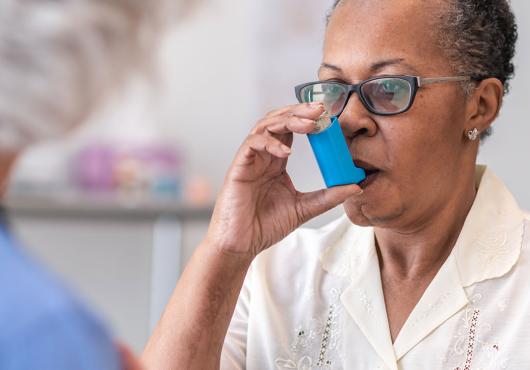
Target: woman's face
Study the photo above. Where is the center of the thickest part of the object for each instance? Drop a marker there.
(420, 154)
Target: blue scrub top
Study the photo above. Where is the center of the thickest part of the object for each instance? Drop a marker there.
(43, 326)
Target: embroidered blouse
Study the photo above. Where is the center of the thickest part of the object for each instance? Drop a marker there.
(315, 300)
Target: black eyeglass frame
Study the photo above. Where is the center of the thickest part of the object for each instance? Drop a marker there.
(414, 82)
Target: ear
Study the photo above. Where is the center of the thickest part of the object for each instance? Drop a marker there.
(484, 104)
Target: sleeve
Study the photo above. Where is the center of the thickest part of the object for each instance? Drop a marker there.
(61, 341)
(233, 356)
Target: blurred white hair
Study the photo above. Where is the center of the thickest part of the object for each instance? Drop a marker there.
(59, 57)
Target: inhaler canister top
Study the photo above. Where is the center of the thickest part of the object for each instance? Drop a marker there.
(323, 122)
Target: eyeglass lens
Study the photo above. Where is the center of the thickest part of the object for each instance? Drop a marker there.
(383, 95)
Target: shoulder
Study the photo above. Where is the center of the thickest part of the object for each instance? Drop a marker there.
(304, 244)
(60, 340)
(41, 317)
(28, 291)
(305, 254)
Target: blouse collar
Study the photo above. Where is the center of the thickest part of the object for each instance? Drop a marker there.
(491, 239)
(488, 247)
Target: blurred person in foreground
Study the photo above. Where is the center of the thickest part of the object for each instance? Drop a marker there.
(428, 267)
(58, 59)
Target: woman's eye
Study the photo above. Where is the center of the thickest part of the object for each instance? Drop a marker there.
(332, 89)
(390, 87)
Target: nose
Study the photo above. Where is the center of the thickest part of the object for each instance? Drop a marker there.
(356, 120)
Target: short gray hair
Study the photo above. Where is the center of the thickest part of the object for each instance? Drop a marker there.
(478, 37)
(58, 57)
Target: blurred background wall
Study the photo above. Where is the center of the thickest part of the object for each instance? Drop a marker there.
(218, 72)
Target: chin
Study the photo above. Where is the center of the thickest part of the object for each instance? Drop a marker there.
(354, 211)
(364, 213)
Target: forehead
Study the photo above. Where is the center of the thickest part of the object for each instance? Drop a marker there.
(361, 33)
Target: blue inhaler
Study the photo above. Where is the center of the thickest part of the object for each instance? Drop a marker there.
(332, 154)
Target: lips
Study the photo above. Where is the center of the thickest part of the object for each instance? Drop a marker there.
(370, 170)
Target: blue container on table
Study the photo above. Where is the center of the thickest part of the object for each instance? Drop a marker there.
(334, 158)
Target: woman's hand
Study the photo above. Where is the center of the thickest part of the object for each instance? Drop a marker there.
(258, 204)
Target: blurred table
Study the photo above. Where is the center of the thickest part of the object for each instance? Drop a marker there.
(123, 256)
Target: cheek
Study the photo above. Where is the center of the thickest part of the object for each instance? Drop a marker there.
(427, 134)
(420, 150)
(416, 157)
(440, 111)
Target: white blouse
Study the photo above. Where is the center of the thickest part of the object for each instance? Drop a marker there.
(315, 300)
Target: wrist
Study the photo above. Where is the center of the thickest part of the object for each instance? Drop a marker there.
(226, 254)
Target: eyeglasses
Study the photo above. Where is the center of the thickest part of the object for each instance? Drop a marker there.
(382, 95)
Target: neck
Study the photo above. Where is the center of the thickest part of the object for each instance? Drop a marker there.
(421, 249)
(7, 159)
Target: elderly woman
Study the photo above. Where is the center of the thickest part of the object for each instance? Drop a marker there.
(58, 58)
(429, 266)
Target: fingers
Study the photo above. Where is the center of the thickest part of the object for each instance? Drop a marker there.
(273, 134)
(298, 119)
(308, 110)
(315, 203)
(261, 143)
(291, 124)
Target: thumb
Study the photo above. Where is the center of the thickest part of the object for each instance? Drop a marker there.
(317, 202)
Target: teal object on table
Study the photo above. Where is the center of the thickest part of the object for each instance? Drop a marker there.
(334, 158)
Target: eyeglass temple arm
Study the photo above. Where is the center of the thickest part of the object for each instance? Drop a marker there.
(428, 81)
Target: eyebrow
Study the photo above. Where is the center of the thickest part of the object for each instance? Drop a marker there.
(331, 66)
(376, 67)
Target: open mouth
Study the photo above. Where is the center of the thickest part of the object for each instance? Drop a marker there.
(370, 178)
(370, 170)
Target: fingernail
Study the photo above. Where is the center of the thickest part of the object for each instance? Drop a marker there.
(359, 192)
(317, 127)
(307, 120)
(286, 149)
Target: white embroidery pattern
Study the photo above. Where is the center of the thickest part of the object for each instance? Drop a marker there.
(326, 338)
(366, 302)
(471, 340)
(315, 338)
(493, 245)
(305, 363)
(342, 258)
(469, 348)
(431, 308)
